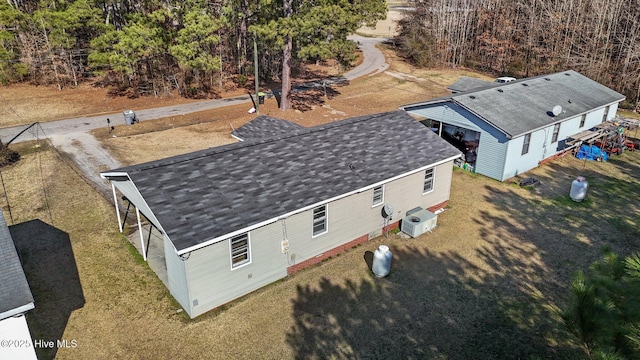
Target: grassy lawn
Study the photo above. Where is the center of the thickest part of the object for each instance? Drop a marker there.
(486, 284)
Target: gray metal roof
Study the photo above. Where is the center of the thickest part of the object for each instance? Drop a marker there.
(210, 193)
(524, 105)
(15, 291)
(266, 127)
(467, 83)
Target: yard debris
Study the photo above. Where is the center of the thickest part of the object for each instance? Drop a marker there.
(530, 181)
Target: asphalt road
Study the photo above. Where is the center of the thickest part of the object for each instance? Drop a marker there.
(374, 62)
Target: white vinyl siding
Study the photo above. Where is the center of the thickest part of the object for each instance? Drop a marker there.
(378, 195)
(319, 220)
(428, 180)
(240, 249)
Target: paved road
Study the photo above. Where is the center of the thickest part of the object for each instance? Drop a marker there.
(85, 124)
(71, 136)
(374, 63)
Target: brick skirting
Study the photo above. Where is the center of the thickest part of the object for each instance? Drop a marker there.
(437, 207)
(335, 251)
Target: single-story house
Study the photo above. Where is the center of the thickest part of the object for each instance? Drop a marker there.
(15, 300)
(237, 217)
(507, 129)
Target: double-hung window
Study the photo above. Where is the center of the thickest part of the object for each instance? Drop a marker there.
(320, 220)
(240, 248)
(556, 131)
(525, 144)
(428, 180)
(378, 195)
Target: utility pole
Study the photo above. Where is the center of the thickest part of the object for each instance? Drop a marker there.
(255, 71)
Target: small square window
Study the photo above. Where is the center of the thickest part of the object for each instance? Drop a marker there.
(428, 180)
(320, 220)
(240, 250)
(378, 195)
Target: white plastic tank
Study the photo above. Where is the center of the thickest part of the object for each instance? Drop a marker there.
(381, 261)
(578, 189)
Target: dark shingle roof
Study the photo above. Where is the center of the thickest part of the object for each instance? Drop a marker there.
(524, 105)
(267, 127)
(210, 193)
(15, 289)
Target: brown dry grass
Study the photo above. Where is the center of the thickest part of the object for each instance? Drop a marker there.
(486, 283)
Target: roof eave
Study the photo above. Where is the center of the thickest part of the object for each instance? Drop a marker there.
(308, 207)
(17, 311)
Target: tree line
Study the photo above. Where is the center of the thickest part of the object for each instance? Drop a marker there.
(157, 46)
(598, 38)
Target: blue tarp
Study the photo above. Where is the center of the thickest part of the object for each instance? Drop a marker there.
(591, 153)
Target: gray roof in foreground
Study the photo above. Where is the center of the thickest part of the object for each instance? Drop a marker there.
(524, 105)
(15, 291)
(210, 193)
(266, 127)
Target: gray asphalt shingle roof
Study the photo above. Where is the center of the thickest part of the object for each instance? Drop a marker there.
(524, 105)
(15, 288)
(210, 193)
(266, 127)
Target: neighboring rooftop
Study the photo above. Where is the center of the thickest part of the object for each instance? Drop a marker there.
(524, 105)
(15, 296)
(266, 127)
(210, 193)
(467, 83)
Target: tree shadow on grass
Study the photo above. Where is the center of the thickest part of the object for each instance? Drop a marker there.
(51, 271)
(500, 300)
(428, 307)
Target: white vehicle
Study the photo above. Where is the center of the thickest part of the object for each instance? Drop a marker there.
(504, 79)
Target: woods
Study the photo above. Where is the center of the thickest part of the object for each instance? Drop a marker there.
(196, 47)
(522, 38)
(199, 47)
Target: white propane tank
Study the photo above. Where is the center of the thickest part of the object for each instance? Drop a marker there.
(381, 261)
(578, 189)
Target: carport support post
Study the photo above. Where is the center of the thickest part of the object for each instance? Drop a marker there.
(144, 252)
(115, 201)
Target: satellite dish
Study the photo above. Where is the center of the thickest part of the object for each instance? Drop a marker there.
(557, 110)
(387, 211)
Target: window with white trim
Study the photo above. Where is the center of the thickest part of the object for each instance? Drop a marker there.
(556, 131)
(240, 249)
(378, 195)
(583, 119)
(428, 180)
(320, 220)
(525, 144)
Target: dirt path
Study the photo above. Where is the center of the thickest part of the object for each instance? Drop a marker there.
(88, 155)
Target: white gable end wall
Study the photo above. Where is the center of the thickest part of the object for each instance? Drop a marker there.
(493, 145)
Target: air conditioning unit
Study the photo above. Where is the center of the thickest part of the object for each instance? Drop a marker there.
(418, 221)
